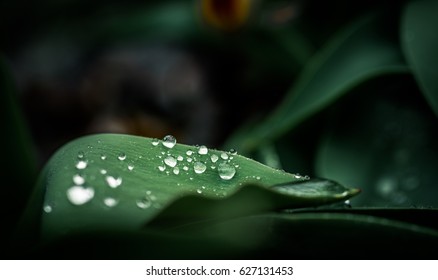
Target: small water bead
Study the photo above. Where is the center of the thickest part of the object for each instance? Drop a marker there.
(189, 159)
(155, 142)
(226, 171)
(144, 203)
(169, 141)
(214, 158)
(79, 195)
(113, 182)
(224, 156)
(258, 178)
(103, 171)
(347, 204)
(199, 191)
(189, 152)
(186, 168)
(130, 167)
(103, 157)
(78, 179)
(170, 161)
(80, 154)
(199, 167)
(213, 167)
(81, 164)
(203, 150)
(180, 158)
(161, 168)
(167, 172)
(110, 202)
(47, 208)
(176, 170)
(122, 156)
(298, 176)
(233, 151)
(163, 153)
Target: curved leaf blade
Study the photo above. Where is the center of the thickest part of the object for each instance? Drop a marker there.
(357, 54)
(420, 44)
(110, 181)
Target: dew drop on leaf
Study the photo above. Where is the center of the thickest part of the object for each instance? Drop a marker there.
(79, 195)
(122, 156)
(180, 158)
(214, 158)
(199, 167)
(80, 154)
(226, 171)
(224, 156)
(203, 150)
(78, 179)
(113, 182)
(130, 167)
(81, 164)
(170, 161)
(169, 141)
(144, 203)
(110, 202)
(176, 170)
(155, 142)
(233, 151)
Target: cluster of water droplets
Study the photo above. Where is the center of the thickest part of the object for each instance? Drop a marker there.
(197, 160)
(190, 163)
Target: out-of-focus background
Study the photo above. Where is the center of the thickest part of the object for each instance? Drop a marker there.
(194, 69)
(207, 71)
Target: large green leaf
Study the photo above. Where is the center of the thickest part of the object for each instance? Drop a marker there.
(113, 182)
(420, 44)
(359, 53)
(306, 235)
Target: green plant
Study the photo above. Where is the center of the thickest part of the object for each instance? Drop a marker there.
(361, 112)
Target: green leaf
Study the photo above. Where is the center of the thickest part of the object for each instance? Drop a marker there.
(305, 235)
(383, 140)
(18, 161)
(355, 55)
(111, 181)
(420, 44)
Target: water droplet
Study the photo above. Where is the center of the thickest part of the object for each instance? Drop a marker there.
(258, 178)
(170, 161)
(203, 150)
(102, 171)
(110, 202)
(122, 156)
(233, 151)
(176, 170)
(189, 159)
(103, 157)
(155, 142)
(47, 208)
(186, 168)
(307, 177)
(226, 171)
(130, 167)
(298, 176)
(203, 187)
(169, 141)
(236, 165)
(79, 195)
(191, 178)
(80, 154)
(81, 164)
(213, 167)
(199, 167)
(113, 182)
(189, 152)
(78, 179)
(224, 156)
(214, 158)
(347, 204)
(180, 158)
(199, 191)
(144, 203)
(161, 168)
(163, 153)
